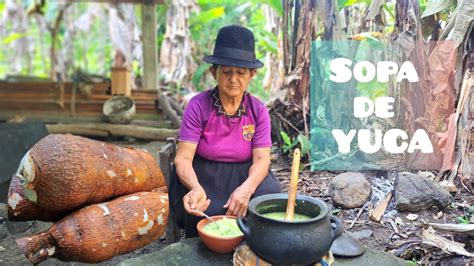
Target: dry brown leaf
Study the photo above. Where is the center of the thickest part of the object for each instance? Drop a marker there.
(429, 237)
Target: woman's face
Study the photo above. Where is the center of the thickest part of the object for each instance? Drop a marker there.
(232, 81)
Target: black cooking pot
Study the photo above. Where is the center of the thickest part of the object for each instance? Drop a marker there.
(289, 242)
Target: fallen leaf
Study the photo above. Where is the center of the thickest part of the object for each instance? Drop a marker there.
(429, 237)
(412, 216)
(2, 248)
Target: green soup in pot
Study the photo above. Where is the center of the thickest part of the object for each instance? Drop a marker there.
(281, 216)
(223, 227)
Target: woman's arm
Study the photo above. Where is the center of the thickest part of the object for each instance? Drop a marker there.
(239, 199)
(196, 198)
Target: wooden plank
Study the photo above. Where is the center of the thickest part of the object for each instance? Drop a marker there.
(19, 96)
(377, 213)
(115, 130)
(51, 116)
(4, 85)
(150, 54)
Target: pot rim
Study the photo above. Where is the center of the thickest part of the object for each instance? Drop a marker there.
(321, 204)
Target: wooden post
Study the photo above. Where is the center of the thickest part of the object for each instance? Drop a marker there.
(150, 61)
(150, 57)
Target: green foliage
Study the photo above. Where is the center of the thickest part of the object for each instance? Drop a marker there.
(345, 3)
(207, 16)
(435, 6)
(305, 144)
(289, 145)
(198, 75)
(215, 14)
(12, 37)
(277, 5)
(462, 220)
(465, 218)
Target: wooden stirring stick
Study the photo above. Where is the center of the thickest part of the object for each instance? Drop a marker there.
(290, 207)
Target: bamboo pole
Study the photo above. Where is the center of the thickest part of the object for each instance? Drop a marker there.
(290, 207)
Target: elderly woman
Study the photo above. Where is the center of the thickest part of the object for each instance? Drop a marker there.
(223, 156)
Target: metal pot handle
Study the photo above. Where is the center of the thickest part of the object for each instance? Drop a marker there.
(242, 223)
(336, 226)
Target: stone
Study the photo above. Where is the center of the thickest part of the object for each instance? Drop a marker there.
(190, 251)
(3, 210)
(350, 190)
(3, 231)
(18, 227)
(346, 245)
(361, 234)
(414, 193)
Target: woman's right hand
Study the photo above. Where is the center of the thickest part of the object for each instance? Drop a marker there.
(196, 199)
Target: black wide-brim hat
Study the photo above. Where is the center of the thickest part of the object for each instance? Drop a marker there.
(235, 46)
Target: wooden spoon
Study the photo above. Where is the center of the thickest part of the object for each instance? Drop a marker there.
(295, 167)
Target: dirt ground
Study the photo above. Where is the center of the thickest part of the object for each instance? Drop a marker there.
(405, 242)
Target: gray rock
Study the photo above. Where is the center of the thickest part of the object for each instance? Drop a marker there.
(347, 246)
(18, 227)
(350, 190)
(414, 193)
(3, 210)
(361, 234)
(3, 231)
(185, 252)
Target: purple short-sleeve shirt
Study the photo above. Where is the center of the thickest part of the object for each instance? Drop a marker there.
(222, 138)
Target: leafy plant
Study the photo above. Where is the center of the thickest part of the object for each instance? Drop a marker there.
(462, 220)
(289, 145)
(468, 212)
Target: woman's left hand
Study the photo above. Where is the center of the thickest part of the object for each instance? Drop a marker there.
(239, 201)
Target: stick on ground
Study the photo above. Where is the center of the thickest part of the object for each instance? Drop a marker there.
(377, 213)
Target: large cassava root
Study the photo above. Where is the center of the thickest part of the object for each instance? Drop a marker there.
(21, 209)
(65, 172)
(98, 232)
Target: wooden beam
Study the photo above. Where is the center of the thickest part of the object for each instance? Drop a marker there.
(377, 213)
(141, 119)
(150, 54)
(104, 129)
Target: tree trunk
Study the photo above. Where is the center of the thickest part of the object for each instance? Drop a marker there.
(176, 62)
(54, 30)
(274, 75)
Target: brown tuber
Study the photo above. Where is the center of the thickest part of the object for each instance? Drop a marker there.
(21, 209)
(65, 172)
(101, 231)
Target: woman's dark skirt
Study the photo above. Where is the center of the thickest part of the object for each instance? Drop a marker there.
(219, 180)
